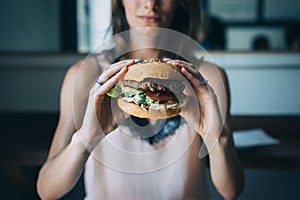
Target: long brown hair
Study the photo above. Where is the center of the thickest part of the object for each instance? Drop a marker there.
(186, 19)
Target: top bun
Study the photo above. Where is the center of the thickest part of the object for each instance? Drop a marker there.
(153, 69)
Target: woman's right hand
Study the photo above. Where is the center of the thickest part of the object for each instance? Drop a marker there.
(91, 131)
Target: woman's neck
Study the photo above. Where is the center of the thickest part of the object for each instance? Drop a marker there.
(145, 54)
(146, 43)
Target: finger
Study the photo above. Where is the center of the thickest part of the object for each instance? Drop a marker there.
(202, 89)
(123, 62)
(194, 81)
(111, 82)
(195, 73)
(181, 63)
(188, 66)
(113, 69)
(166, 59)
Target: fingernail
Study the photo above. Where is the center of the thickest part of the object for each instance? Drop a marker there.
(138, 61)
(128, 61)
(170, 61)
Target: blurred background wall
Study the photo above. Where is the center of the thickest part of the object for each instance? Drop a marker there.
(55, 26)
(30, 26)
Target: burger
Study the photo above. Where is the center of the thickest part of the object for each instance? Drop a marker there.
(150, 89)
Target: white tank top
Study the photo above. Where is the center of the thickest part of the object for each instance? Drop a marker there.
(128, 168)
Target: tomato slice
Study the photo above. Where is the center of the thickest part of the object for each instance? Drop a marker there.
(161, 96)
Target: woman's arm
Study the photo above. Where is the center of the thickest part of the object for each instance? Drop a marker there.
(226, 170)
(60, 173)
(67, 155)
(70, 149)
(212, 124)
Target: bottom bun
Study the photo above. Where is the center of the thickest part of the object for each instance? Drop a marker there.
(136, 110)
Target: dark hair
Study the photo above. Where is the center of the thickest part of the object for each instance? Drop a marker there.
(186, 18)
(213, 32)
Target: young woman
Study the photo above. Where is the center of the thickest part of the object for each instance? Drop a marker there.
(86, 135)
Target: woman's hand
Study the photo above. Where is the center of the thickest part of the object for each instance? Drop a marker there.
(91, 131)
(208, 121)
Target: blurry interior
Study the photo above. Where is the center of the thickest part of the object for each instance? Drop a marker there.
(256, 41)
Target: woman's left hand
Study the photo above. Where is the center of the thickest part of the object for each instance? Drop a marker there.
(208, 121)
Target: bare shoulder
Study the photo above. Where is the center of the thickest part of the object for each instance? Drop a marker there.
(211, 69)
(83, 74)
(69, 82)
(66, 126)
(72, 71)
(83, 71)
(218, 81)
(216, 75)
(79, 80)
(74, 95)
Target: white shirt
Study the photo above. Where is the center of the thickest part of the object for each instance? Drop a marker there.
(128, 168)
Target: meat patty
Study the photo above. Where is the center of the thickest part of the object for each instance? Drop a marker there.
(153, 85)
